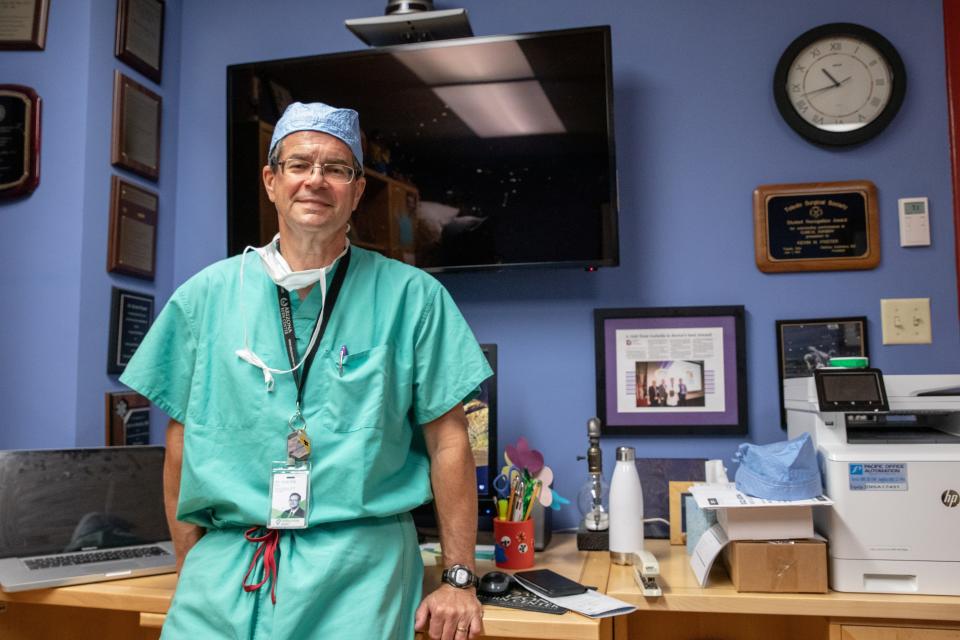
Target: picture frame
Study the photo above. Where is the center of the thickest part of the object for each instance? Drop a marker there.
(23, 25)
(127, 419)
(131, 314)
(817, 226)
(139, 36)
(806, 345)
(132, 241)
(690, 363)
(679, 489)
(136, 127)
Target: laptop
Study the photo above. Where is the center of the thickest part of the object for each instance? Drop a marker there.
(74, 516)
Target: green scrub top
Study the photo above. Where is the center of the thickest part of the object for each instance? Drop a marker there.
(411, 358)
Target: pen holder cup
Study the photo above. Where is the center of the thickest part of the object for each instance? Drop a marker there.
(514, 543)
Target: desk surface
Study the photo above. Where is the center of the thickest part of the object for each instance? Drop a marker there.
(152, 595)
(682, 593)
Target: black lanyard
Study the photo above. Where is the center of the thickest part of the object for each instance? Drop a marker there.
(290, 337)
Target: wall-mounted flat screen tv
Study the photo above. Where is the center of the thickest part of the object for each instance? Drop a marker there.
(479, 153)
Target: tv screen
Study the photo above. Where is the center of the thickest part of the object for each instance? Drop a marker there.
(479, 153)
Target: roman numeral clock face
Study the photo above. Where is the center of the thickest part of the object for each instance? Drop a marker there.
(839, 84)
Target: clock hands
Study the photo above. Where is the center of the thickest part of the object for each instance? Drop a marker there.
(828, 87)
(832, 79)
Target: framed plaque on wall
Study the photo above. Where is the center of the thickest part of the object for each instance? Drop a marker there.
(132, 244)
(128, 419)
(19, 140)
(819, 226)
(131, 315)
(139, 40)
(136, 127)
(23, 24)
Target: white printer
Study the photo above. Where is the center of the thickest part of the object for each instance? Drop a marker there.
(889, 451)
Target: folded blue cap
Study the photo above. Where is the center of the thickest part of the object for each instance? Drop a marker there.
(316, 116)
(780, 471)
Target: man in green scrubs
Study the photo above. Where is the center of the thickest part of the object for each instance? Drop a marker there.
(379, 420)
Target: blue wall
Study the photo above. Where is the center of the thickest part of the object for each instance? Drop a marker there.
(697, 131)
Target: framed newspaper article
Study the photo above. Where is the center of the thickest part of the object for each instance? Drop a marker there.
(671, 370)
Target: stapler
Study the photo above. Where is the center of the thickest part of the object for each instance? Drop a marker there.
(645, 572)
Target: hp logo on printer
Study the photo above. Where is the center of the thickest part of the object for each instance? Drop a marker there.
(950, 498)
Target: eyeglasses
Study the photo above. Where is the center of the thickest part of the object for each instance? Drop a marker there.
(332, 172)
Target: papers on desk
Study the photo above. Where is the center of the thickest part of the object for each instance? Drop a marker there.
(725, 495)
(591, 603)
(709, 546)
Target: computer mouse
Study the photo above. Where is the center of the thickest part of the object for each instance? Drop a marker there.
(495, 582)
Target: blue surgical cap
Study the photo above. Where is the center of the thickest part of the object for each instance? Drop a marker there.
(316, 116)
(785, 470)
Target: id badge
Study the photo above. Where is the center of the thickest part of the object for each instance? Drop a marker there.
(289, 495)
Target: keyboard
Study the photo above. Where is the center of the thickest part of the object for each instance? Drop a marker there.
(50, 562)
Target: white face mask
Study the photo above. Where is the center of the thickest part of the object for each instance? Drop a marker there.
(279, 271)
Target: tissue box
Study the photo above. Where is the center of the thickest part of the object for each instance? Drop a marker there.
(788, 566)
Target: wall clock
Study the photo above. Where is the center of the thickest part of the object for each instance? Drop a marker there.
(839, 84)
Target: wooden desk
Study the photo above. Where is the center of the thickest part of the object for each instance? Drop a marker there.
(134, 609)
(721, 613)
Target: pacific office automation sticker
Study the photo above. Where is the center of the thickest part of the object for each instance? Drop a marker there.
(878, 476)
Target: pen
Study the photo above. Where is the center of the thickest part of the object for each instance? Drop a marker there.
(533, 497)
(343, 356)
(513, 493)
(502, 508)
(521, 491)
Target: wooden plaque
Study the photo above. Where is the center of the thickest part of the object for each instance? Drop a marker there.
(23, 24)
(19, 140)
(132, 244)
(139, 40)
(136, 127)
(128, 419)
(818, 226)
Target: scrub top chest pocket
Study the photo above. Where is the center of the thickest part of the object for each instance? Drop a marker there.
(355, 391)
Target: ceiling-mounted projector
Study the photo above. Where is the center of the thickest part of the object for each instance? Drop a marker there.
(407, 21)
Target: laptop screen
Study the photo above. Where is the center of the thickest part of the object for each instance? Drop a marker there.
(54, 501)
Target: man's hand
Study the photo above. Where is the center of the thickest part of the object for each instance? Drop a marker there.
(450, 613)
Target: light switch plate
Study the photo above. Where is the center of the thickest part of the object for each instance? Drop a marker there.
(906, 320)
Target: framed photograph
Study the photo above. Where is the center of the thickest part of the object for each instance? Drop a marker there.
(806, 345)
(671, 370)
(19, 140)
(678, 517)
(139, 40)
(132, 244)
(128, 419)
(23, 25)
(820, 226)
(131, 315)
(656, 477)
(136, 127)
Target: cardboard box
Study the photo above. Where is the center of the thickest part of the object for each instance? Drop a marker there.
(766, 523)
(787, 566)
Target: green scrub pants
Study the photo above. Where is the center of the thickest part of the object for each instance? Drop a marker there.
(359, 579)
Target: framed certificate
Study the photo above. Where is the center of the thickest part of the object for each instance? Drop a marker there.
(128, 419)
(671, 370)
(132, 245)
(820, 226)
(19, 140)
(136, 127)
(131, 315)
(140, 36)
(23, 24)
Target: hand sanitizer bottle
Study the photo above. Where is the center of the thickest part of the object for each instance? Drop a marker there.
(626, 508)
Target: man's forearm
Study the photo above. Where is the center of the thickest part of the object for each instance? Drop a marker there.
(453, 476)
(183, 534)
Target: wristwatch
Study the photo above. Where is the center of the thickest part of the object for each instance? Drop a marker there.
(460, 577)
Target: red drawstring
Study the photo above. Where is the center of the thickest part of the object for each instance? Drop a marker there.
(267, 549)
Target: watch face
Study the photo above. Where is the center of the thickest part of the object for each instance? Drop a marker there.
(839, 84)
(460, 576)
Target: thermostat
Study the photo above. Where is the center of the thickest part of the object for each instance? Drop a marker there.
(914, 222)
